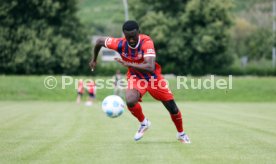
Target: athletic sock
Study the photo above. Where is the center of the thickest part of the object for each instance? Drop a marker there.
(136, 111)
(177, 120)
(144, 122)
(180, 133)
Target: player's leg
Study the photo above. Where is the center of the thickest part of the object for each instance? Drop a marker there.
(134, 93)
(176, 117)
(116, 90)
(121, 92)
(79, 97)
(162, 93)
(133, 97)
(90, 99)
(175, 114)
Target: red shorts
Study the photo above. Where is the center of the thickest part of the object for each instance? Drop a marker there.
(157, 88)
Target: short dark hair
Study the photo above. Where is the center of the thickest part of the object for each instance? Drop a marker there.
(130, 25)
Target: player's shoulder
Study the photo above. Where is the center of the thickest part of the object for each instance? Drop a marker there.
(112, 43)
(145, 37)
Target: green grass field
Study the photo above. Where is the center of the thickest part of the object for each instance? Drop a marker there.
(64, 132)
(39, 125)
(245, 89)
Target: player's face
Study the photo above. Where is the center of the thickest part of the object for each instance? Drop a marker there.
(132, 37)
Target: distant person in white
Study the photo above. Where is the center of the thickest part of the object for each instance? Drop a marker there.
(118, 88)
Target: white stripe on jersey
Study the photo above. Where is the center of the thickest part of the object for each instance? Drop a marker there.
(147, 55)
(106, 41)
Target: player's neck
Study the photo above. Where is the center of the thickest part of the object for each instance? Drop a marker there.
(136, 44)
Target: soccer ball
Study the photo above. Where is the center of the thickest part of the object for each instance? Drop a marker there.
(113, 106)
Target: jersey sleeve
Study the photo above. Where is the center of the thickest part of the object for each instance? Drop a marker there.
(148, 48)
(112, 43)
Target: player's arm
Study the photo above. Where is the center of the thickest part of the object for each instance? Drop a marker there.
(147, 66)
(99, 44)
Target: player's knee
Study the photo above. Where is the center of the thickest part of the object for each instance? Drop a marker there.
(132, 97)
(171, 106)
(174, 110)
(131, 101)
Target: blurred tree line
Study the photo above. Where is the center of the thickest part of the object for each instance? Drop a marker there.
(204, 36)
(192, 34)
(191, 37)
(251, 41)
(42, 37)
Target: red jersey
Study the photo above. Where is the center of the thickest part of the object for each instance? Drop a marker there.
(80, 87)
(144, 48)
(90, 87)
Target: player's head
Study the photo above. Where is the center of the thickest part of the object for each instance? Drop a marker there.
(131, 32)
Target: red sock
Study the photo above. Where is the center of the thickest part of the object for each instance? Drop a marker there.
(177, 120)
(137, 112)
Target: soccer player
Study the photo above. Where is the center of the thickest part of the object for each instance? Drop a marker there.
(118, 88)
(144, 75)
(91, 89)
(80, 91)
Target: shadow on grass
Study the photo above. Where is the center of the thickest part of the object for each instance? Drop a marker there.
(157, 142)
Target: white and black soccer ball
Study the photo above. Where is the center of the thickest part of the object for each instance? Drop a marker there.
(113, 106)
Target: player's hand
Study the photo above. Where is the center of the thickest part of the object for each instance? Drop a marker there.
(92, 65)
(119, 60)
